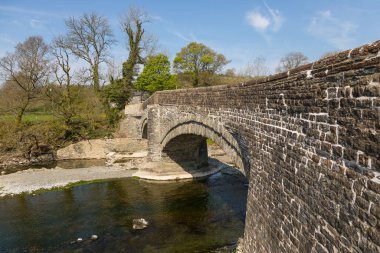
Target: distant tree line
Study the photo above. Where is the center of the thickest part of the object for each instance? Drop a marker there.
(75, 80)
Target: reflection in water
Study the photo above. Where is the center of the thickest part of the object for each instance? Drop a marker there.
(195, 216)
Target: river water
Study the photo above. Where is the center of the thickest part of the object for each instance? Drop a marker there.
(192, 216)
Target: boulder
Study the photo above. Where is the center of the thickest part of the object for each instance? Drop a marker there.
(91, 149)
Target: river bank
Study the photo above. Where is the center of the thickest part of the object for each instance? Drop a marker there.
(122, 158)
(32, 180)
(28, 181)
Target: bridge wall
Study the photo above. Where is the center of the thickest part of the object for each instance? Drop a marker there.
(309, 143)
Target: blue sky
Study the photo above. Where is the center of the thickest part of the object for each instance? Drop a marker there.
(239, 29)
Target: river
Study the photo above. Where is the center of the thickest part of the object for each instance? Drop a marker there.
(193, 216)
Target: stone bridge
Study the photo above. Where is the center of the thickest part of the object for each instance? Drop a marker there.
(307, 140)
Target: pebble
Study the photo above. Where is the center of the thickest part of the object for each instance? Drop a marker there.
(139, 223)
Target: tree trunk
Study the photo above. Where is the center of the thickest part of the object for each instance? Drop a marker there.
(95, 77)
(22, 111)
(196, 79)
(129, 67)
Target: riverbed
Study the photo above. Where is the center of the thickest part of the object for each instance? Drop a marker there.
(192, 216)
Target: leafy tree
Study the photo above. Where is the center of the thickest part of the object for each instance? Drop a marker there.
(200, 62)
(139, 43)
(291, 61)
(156, 75)
(116, 95)
(89, 38)
(28, 68)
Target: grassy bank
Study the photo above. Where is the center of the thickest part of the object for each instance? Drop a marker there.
(28, 118)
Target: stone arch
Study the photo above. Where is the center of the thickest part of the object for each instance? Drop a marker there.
(144, 127)
(211, 130)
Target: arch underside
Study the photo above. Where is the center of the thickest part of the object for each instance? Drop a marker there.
(199, 132)
(144, 127)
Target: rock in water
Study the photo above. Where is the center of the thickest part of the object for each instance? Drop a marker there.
(94, 237)
(139, 223)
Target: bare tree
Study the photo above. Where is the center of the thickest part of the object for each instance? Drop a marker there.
(330, 53)
(61, 96)
(256, 68)
(291, 61)
(62, 68)
(139, 43)
(230, 72)
(28, 68)
(114, 70)
(89, 37)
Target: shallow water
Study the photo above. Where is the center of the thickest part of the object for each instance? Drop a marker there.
(193, 216)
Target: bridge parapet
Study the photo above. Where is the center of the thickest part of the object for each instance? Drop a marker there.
(308, 140)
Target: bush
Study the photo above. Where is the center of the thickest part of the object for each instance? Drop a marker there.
(115, 96)
(28, 136)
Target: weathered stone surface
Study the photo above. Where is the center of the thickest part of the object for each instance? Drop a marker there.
(131, 125)
(90, 149)
(99, 148)
(308, 142)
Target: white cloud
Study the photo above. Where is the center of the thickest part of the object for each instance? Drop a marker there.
(183, 37)
(277, 19)
(262, 21)
(325, 14)
(34, 23)
(257, 20)
(335, 31)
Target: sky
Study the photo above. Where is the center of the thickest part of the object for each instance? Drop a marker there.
(240, 29)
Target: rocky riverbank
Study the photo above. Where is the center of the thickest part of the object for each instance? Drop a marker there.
(12, 160)
(31, 180)
(124, 158)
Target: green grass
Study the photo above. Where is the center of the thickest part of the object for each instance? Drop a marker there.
(40, 117)
(34, 118)
(29, 118)
(68, 186)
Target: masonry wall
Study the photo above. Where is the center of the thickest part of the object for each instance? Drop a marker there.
(311, 140)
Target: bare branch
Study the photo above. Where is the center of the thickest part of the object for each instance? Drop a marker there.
(291, 61)
(255, 68)
(89, 38)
